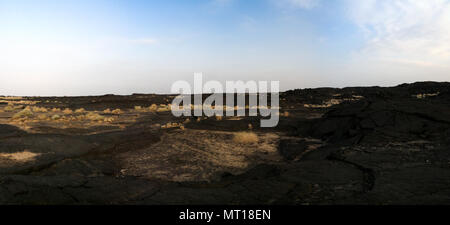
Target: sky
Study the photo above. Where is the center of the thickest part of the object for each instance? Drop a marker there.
(95, 47)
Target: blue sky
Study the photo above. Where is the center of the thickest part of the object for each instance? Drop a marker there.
(80, 47)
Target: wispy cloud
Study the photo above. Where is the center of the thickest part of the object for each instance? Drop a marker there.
(413, 31)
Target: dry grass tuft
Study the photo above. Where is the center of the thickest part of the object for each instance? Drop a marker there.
(108, 111)
(117, 111)
(81, 110)
(56, 117)
(80, 117)
(422, 96)
(18, 107)
(163, 108)
(39, 109)
(56, 110)
(43, 117)
(173, 125)
(219, 118)
(8, 108)
(23, 114)
(24, 156)
(245, 138)
(153, 108)
(67, 111)
(95, 116)
(109, 119)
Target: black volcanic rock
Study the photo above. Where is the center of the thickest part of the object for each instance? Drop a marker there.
(388, 147)
(402, 119)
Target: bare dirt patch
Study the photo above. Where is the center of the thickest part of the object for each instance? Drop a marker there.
(179, 157)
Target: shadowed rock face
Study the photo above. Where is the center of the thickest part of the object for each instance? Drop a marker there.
(374, 121)
(358, 146)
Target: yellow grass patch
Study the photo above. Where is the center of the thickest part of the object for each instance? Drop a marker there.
(162, 109)
(11, 97)
(153, 108)
(109, 119)
(23, 114)
(42, 117)
(81, 117)
(95, 116)
(8, 108)
(39, 109)
(421, 96)
(81, 110)
(245, 138)
(17, 107)
(173, 125)
(116, 111)
(67, 111)
(24, 156)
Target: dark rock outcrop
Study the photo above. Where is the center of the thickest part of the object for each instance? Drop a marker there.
(392, 146)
